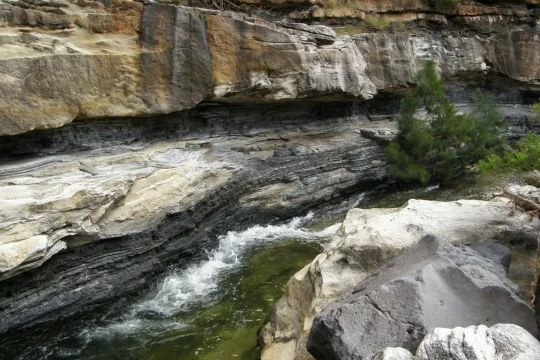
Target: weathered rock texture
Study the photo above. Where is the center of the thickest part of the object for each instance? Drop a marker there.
(99, 223)
(500, 341)
(370, 15)
(392, 353)
(126, 197)
(64, 60)
(370, 237)
(181, 57)
(433, 284)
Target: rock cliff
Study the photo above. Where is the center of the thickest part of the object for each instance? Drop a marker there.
(67, 60)
(103, 219)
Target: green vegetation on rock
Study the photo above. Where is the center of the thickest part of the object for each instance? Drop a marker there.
(379, 22)
(441, 143)
(525, 157)
(536, 109)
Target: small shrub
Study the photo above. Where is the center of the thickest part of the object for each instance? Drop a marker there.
(378, 22)
(525, 157)
(536, 109)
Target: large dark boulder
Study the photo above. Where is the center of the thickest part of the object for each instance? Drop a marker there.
(433, 284)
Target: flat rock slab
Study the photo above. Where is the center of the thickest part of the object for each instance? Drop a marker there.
(433, 284)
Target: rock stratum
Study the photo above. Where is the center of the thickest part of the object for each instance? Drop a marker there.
(132, 133)
(71, 60)
(90, 222)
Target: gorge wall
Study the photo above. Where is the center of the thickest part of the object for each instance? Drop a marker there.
(70, 60)
(133, 133)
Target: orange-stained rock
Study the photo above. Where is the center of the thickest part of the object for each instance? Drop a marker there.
(516, 53)
(82, 60)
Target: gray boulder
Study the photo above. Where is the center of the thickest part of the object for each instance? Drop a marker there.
(433, 284)
(494, 251)
(501, 341)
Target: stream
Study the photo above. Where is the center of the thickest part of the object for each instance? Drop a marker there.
(213, 307)
(210, 309)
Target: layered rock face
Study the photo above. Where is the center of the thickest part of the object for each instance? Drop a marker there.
(179, 57)
(80, 60)
(370, 237)
(92, 205)
(99, 223)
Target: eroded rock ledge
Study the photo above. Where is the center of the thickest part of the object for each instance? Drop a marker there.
(67, 60)
(111, 202)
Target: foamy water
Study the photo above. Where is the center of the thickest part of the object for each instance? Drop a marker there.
(196, 284)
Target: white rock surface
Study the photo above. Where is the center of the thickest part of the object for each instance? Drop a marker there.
(98, 197)
(392, 353)
(499, 342)
(463, 221)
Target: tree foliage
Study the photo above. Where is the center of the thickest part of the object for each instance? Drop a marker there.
(438, 143)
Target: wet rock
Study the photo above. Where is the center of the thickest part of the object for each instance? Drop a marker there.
(433, 284)
(102, 207)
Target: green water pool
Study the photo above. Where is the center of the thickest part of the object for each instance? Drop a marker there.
(226, 328)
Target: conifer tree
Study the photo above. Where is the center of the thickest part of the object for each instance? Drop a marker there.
(440, 145)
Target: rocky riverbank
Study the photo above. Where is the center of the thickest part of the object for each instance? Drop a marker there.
(102, 221)
(361, 265)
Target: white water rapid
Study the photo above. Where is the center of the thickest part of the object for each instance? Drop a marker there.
(196, 284)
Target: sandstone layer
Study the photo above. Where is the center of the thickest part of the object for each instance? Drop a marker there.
(66, 60)
(92, 205)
